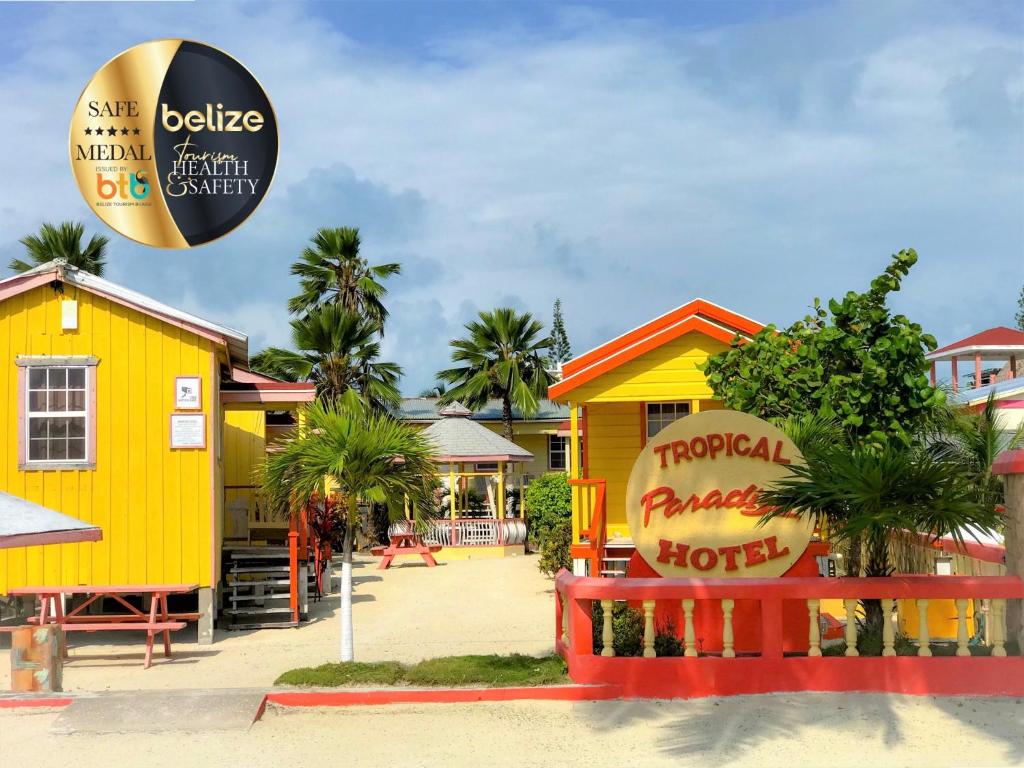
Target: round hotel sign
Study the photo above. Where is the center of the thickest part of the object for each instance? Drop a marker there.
(692, 499)
(173, 143)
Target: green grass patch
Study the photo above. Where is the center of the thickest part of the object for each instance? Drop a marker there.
(347, 673)
(447, 671)
(489, 671)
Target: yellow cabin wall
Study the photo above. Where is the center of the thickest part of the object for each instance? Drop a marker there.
(245, 448)
(668, 372)
(153, 504)
(615, 405)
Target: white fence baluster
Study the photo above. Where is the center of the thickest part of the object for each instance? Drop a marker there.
(923, 637)
(689, 639)
(851, 627)
(607, 638)
(961, 627)
(649, 629)
(888, 636)
(813, 629)
(727, 636)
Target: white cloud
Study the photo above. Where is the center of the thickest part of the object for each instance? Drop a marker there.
(622, 166)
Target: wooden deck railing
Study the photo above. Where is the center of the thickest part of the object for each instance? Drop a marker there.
(589, 506)
(768, 668)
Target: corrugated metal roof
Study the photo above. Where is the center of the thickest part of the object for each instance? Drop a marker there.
(426, 409)
(1001, 389)
(24, 523)
(458, 438)
(238, 342)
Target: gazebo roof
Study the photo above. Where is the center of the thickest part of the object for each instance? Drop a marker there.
(456, 438)
(996, 343)
(23, 524)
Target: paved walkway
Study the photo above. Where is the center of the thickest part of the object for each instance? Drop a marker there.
(782, 730)
(407, 613)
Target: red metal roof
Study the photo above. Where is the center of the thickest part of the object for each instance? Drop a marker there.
(999, 337)
(698, 315)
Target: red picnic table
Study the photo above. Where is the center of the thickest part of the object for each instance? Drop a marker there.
(157, 621)
(406, 544)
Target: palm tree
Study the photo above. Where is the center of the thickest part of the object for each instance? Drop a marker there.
(63, 241)
(338, 351)
(976, 439)
(503, 358)
(437, 390)
(883, 497)
(331, 271)
(367, 456)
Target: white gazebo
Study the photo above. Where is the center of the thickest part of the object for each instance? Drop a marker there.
(470, 453)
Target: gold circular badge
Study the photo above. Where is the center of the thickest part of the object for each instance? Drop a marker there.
(173, 143)
(692, 499)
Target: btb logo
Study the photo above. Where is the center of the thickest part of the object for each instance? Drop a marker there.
(123, 186)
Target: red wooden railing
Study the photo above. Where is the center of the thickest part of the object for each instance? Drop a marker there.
(596, 530)
(767, 668)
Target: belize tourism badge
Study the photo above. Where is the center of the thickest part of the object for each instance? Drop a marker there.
(173, 143)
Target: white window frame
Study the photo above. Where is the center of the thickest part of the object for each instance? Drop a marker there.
(660, 417)
(88, 366)
(564, 452)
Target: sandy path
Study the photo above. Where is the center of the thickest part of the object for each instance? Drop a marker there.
(782, 730)
(406, 613)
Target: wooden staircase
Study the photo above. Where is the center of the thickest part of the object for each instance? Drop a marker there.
(257, 588)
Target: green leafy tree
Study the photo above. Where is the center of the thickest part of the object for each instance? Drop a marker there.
(269, 364)
(854, 361)
(502, 357)
(1020, 309)
(63, 241)
(331, 271)
(368, 456)
(338, 351)
(560, 349)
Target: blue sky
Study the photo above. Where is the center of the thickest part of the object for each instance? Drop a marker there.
(625, 157)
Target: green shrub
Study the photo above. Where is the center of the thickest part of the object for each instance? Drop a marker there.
(548, 502)
(666, 643)
(627, 629)
(554, 553)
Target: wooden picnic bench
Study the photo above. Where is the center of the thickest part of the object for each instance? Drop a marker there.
(157, 621)
(405, 544)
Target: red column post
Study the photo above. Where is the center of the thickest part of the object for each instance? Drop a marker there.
(955, 375)
(977, 370)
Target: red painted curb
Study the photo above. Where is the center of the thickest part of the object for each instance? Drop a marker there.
(34, 702)
(358, 697)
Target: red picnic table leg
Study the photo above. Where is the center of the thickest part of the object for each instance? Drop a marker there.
(153, 603)
(164, 616)
(385, 562)
(58, 610)
(428, 559)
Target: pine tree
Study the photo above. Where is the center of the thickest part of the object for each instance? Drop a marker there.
(560, 349)
(1020, 309)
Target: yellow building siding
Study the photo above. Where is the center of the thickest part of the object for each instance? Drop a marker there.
(668, 372)
(613, 442)
(615, 405)
(245, 448)
(153, 503)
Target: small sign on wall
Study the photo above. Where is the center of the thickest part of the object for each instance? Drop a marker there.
(188, 393)
(188, 430)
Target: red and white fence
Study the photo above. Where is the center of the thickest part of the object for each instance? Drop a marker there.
(767, 667)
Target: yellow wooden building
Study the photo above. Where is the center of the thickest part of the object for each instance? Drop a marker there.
(129, 414)
(619, 395)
